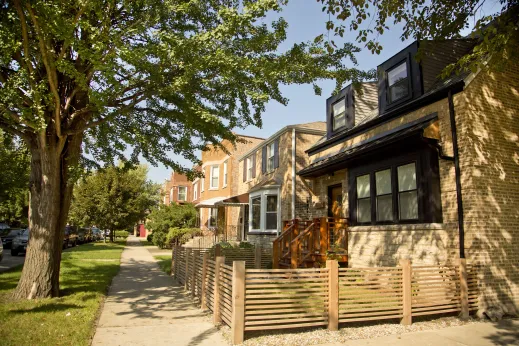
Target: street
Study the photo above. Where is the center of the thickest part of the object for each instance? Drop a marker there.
(10, 261)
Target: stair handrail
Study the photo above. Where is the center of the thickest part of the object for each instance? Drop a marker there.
(277, 244)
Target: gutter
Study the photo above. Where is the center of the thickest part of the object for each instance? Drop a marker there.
(457, 171)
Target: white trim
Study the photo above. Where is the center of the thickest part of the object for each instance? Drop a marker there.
(171, 195)
(212, 163)
(195, 192)
(293, 211)
(248, 168)
(263, 208)
(225, 175)
(271, 153)
(202, 185)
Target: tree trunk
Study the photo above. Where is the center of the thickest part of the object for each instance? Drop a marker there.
(50, 196)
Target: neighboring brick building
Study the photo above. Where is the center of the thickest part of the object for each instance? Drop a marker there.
(220, 176)
(395, 170)
(268, 190)
(178, 189)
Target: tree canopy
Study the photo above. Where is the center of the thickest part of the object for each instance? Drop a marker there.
(497, 34)
(113, 198)
(171, 222)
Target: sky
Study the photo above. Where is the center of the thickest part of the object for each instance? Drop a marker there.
(306, 21)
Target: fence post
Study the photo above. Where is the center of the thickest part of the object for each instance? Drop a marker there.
(333, 294)
(276, 254)
(217, 318)
(196, 255)
(294, 251)
(238, 302)
(406, 291)
(257, 257)
(464, 289)
(217, 251)
(186, 275)
(203, 294)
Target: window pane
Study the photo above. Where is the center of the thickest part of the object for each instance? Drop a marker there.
(397, 74)
(339, 121)
(406, 177)
(182, 192)
(383, 182)
(363, 188)
(272, 220)
(256, 212)
(408, 205)
(398, 90)
(339, 107)
(364, 210)
(272, 203)
(385, 208)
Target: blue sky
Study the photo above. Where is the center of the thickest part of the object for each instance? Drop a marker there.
(306, 21)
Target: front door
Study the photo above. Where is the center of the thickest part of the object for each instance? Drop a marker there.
(335, 201)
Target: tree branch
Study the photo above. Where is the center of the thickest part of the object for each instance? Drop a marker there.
(51, 71)
(25, 36)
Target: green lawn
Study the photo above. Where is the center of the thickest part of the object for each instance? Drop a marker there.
(164, 262)
(86, 273)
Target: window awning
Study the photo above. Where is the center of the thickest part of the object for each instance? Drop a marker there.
(237, 200)
(209, 203)
(340, 160)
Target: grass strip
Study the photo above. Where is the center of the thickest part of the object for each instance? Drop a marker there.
(164, 262)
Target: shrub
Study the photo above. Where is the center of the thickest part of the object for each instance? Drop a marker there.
(149, 238)
(122, 234)
(246, 245)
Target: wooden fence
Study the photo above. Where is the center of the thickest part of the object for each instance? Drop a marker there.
(248, 299)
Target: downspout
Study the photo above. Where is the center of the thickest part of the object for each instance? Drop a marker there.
(293, 173)
(457, 171)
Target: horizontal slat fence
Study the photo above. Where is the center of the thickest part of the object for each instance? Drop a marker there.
(274, 299)
(367, 294)
(277, 298)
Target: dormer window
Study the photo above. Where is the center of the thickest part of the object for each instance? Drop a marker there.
(398, 82)
(339, 114)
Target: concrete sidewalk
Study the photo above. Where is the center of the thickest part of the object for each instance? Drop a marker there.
(505, 332)
(145, 307)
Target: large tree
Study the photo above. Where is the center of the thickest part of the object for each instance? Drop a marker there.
(496, 31)
(113, 198)
(160, 76)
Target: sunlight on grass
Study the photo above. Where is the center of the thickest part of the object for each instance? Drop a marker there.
(164, 262)
(68, 320)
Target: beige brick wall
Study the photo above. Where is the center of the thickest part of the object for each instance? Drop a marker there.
(487, 114)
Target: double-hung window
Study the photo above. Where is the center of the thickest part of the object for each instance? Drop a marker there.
(248, 162)
(215, 176)
(270, 156)
(398, 82)
(407, 192)
(195, 191)
(271, 212)
(202, 185)
(182, 193)
(256, 212)
(225, 174)
(171, 196)
(339, 114)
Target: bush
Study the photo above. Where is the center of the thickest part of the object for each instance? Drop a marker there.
(122, 234)
(246, 245)
(149, 238)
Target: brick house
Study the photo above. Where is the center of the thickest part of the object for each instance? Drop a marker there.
(220, 171)
(268, 190)
(177, 189)
(432, 173)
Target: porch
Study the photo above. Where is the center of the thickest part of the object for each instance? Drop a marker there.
(309, 243)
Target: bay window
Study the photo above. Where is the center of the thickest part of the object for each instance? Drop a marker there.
(271, 213)
(256, 213)
(264, 211)
(401, 189)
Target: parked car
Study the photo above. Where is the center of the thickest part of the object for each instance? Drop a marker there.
(70, 238)
(20, 243)
(1, 252)
(4, 226)
(8, 235)
(96, 234)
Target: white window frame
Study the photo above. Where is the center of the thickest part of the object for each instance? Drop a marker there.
(171, 195)
(179, 188)
(271, 153)
(263, 218)
(212, 169)
(225, 174)
(335, 117)
(209, 224)
(195, 191)
(202, 188)
(248, 162)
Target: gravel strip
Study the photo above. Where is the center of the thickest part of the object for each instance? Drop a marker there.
(304, 337)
